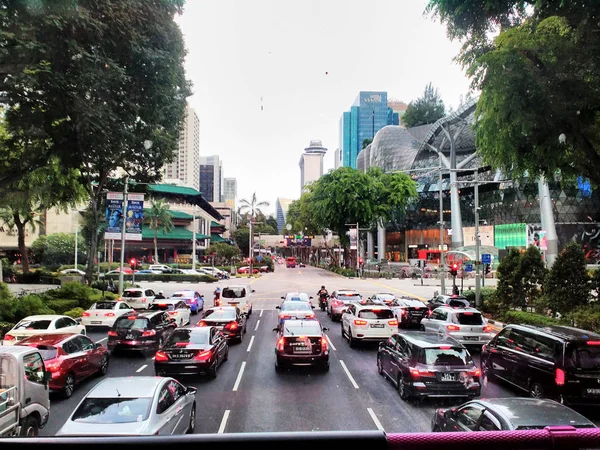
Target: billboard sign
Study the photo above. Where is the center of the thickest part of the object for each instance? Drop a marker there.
(114, 215)
(134, 216)
(353, 235)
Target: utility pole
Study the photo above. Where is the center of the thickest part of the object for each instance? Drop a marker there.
(194, 238)
(477, 243)
(76, 239)
(442, 256)
(124, 219)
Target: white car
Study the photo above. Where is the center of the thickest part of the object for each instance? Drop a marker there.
(238, 295)
(297, 297)
(367, 321)
(104, 313)
(72, 272)
(138, 298)
(160, 268)
(43, 324)
(177, 308)
(466, 325)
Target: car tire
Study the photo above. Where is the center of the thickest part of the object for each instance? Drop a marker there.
(69, 386)
(536, 390)
(379, 366)
(212, 371)
(30, 427)
(351, 341)
(343, 332)
(226, 357)
(192, 424)
(487, 371)
(325, 367)
(103, 366)
(402, 391)
(245, 329)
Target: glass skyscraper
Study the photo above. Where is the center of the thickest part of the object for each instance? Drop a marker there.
(369, 113)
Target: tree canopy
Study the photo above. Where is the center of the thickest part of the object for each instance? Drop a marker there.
(537, 65)
(426, 109)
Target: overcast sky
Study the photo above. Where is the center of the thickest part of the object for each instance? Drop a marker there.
(303, 61)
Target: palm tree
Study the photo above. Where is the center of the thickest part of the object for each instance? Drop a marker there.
(252, 207)
(158, 219)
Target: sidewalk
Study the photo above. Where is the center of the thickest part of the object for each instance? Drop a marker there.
(17, 288)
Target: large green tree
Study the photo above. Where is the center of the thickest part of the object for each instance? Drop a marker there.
(158, 218)
(537, 65)
(98, 85)
(426, 109)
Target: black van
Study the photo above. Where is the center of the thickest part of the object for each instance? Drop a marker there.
(554, 361)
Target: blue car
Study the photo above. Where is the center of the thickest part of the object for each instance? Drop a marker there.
(193, 299)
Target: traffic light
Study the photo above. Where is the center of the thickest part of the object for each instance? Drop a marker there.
(454, 270)
(133, 263)
(361, 261)
(248, 260)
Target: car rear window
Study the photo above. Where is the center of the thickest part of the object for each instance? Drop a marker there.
(132, 294)
(233, 293)
(47, 351)
(583, 356)
(349, 297)
(199, 337)
(310, 329)
(458, 303)
(132, 323)
(296, 306)
(220, 314)
(113, 410)
(453, 356)
(104, 305)
(162, 307)
(33, 325)
(468, 318)
(375, 314)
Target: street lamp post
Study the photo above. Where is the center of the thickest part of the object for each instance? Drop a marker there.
(76, 239)
(442, 256)
(123, 229)
(194, 239)
(477, 244)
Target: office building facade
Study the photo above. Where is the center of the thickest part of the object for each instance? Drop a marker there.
(368, 114)
(184, 170)
(281, 208)
(311, 163)
(211, 177)
(230, 191)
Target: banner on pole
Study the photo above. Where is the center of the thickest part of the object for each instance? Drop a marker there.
(134, 219)
(353, 235)
(114, 215)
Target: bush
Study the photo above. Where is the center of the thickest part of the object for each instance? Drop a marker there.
(587, 318)
(166, 277)
(61, 305)
(37, 276)
(74, 291)
(488, 298)
(527, 318)
(30, 305)
(74, 313)
(5, 327)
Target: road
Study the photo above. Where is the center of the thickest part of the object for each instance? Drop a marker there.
(249, 396)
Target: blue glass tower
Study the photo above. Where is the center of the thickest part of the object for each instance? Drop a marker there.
(368, 114)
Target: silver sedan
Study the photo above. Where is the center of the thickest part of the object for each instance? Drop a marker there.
(134, 406)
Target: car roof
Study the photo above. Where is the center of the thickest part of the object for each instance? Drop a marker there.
(43, 317)
(236, 286)
(347, 290)
(531, 412)
(161, 301)
(429, 339)
(133, 289)
(196, 330)
(46, 339)
(224, 308)
(295, 303)
(562, 332)
(303, 327)
(384, 293)
(361, 305)
(411, 301)
(295, 293)
(141, 314)
(15, 350)
(458, 310)
(126, 387)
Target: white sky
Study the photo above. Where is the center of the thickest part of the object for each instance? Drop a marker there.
(240, 51)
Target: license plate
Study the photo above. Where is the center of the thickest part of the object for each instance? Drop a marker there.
(593, 391)
(96, 322)
(377, 325)
(181, 356)
(301, 349)
(129, 336)
(448, 377)
(471, 338)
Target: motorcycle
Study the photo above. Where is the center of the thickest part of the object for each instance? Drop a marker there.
(323, 301)
(217, 299)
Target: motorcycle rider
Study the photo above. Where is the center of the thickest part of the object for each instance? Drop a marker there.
(160, 296)
(217, 299)
(322, 291)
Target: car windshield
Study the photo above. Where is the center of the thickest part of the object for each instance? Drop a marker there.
(113, 410)
(133, 294)
(238, 292)
(132, 323)
(220, 314)
(583, 357)
(104, 305)
(385, 296)
(468, 318)
(375, 314)
(303, 329)
(453, 356)
(295, 306)
(33, 325)
(199, 337)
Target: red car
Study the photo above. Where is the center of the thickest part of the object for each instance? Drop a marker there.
(70, 357)
(246, 269)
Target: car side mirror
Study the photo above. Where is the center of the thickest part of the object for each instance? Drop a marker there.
(278, 307)
(191, 390)
(313, 306)
(253, 291)
(449, 413)
(325, 329)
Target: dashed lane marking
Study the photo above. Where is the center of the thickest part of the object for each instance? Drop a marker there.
(375, 419)
(330, 343)
(350, 377)
(224, 422)
(250, 344)
(238, 380)
(141, 368)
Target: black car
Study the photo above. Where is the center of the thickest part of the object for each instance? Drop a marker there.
(301, 343)
(552, 361)
(454, 301)
(408, 311)
(192, 351)
(500, 414)
(142, 331)
(228, 319)
(425, 364)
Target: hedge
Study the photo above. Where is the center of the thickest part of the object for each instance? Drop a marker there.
(59, 306)
(587, 318)
(74, 313)
(527, 318)
(165, 277)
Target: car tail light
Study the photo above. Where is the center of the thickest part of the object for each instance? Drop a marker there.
(181, 344)
(112, 333)
(202, 323)
(217, 302)
(52, 366)
(336, 303)
(120, 299)
(416, 373)
(9, 337)
(161, 356)
(284, 316)
(232, 326)
(203, 356)
(144, 299)
(280, 344)
(85, 314)
(559, 377)
(172, 313)
(324, 346)
(108, 315)
(452, 327)
(445, 347)
(475, 373)
(131, 318)
(310, 316)
(148, 333)
(360, 322)
(393, 323)
(487, 328)
(593, 342)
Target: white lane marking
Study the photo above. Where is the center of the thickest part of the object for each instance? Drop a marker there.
(375, 419)
(142, 368)
(261, 311)
(103, 339)
(349, 374)
(224, 422)
(239, 377)
(330, 343)
(257, 324)
(250, 344)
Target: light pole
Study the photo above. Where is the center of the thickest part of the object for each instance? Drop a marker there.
(124, 220)
(194, 239)
(477, 243)
(76, 239)
(442, 256)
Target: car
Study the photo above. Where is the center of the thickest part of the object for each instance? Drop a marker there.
(70, 358)
(126, 271)
(297, 297)
(72, 272)
(138, 298)
(466, 325)
(503, 414)
(426, 364)
(382, 298)
(263, 269)
(228, 319)
(408, 311)
(42, 324)
(238, 295)
(246, 269)
(295, 310)
(301, 265)
(290, 262)
(160, 268)
(140, 331)
(367, 321)
(192, 351)
(177, 308)
(194, 299)
(338, 300)
(104, 313)
(301, 343)
(134, 406)
(550, 361)
(455, 301)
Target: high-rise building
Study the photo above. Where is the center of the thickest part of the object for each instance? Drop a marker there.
(281, 208)
(311, 163)
(398, 107)
(185, 168)
(368, 114)
(211, 177)
(230, 192)
(336, 157)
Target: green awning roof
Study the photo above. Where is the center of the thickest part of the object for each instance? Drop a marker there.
(177, 233)
(176, 214)
(214, 224)
(215, 239)
(173, 189)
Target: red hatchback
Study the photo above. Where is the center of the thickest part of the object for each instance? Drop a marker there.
(70, 357)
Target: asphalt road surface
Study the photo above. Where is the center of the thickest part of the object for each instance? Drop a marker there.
(249, 396)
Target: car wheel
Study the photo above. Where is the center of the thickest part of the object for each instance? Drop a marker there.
(30, 427)
(436, 429)
(402, 391)
(245, 328)
(226, 357)
(351, 340)
(486, 371)
(192, 425)
(379, 366)
(69, 386)
(212, 371)
(343, 332)
(536, 390)
(103, 366)
(325, 367)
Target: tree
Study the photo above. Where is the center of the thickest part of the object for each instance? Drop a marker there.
(90, 83)
(252, 206)
(426, 109)
(223, 251)
(59, 249)
(539, 105)
(510, 281)
(158, 219)
(366, 142)
(272, 222)
(242, 239)
(533, 272)
(567, 285)
(300, 214)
